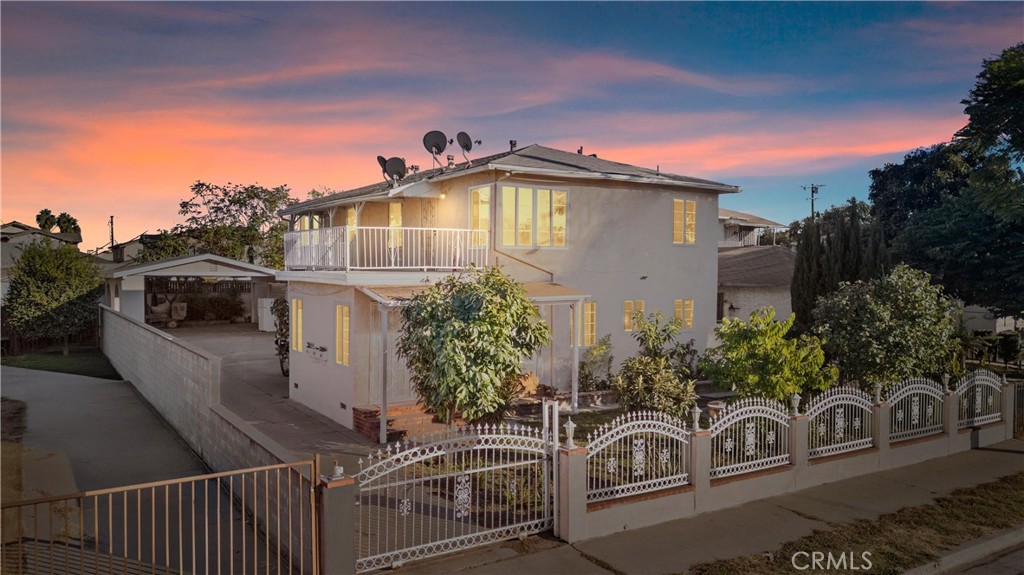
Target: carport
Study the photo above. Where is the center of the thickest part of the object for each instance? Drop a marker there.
(126, 287)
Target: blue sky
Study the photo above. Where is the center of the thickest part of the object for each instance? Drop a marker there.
(116, 108)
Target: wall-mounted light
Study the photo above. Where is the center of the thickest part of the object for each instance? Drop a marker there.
(443, 195)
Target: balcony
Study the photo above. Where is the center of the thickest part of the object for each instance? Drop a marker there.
(382, 248)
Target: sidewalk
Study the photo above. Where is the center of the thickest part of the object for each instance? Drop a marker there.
(757, 527)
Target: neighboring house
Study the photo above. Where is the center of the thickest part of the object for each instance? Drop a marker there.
(14, 236)
(753, 277)
(125, 251)
(592, 240)
(130, 288)
(980, 319)
(741, 229)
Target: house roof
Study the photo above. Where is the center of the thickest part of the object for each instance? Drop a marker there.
(538, 292)
(533, 160)
(70, 237)
(152, 268)
(755, 266)
(746, 219)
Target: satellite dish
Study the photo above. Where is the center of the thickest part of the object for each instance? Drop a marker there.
(465, 142)
(395, 168)
(382, 161)
(435, 142)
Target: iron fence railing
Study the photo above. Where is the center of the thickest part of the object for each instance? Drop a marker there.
(980, 398)
(638, 452)
(749, 435)
(255, 521)
(839, 420)
(915, 408)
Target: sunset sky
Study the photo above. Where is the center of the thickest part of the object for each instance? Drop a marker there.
(116, 108)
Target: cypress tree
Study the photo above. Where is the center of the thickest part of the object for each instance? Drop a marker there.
(804, 288)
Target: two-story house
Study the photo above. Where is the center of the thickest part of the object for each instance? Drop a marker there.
(592, 240)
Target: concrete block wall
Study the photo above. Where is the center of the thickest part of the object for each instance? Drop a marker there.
(182, 383)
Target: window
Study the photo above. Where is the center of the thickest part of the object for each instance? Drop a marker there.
(684, 222)
(721, 307)
(480, 215)
(629, 310)
(684, 313)
(350, 221)
(341, 334)
(533, 217)
(589, 322)
(395, 225)
(297, 324)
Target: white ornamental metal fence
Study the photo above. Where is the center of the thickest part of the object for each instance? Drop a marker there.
(473, 486)
(839, 420)
(637, 452)
(915, 408)
(980, 396)
(749, 435)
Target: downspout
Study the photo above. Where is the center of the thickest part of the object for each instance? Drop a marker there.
(383, 311)
(494, 234)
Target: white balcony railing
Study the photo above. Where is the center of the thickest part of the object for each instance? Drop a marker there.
(382, 248)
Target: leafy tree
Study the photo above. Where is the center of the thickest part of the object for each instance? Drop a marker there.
(232, 220)
(887, 329)
(757, 359)
(976, 256)
(67, 224)
(996, 105)
(464, 339)
(786, 237)
(46, 220)
(53, 292)
(807, 274)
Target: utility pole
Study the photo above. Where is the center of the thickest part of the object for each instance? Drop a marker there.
(111, 225)
(814, 188)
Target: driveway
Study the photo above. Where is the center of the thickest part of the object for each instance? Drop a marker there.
(101, 428)
(254, 389)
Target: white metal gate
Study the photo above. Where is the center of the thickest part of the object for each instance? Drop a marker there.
(473, 486)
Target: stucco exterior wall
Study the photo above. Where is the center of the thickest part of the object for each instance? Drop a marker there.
(747, 299)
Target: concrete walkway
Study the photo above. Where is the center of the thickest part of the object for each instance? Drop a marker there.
(754, 528)
(87, 433)
(254, 389)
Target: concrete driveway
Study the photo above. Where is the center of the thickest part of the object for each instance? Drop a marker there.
(254, 389)
(108, 434)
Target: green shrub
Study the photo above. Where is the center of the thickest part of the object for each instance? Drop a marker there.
(646, 382)
(596, 366)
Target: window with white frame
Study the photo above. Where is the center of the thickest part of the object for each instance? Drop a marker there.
(533, 217)
(684, 222)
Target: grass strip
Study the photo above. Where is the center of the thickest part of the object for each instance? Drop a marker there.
(88, 361)
(897, 541)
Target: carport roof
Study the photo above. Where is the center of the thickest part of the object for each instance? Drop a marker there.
(538, 292)
(221, 267)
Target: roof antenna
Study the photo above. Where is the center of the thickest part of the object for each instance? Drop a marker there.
(466, 143)
(435, 142)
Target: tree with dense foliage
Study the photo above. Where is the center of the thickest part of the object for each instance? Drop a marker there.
(596, 365)
(888, 329)
(658, 378)
(807, 271)
(53, 292)
(757, 359)
(67, 224)
(463, 340)
(234, 221)
(45, 220)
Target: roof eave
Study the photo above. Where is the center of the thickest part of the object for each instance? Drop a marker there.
(575, 175)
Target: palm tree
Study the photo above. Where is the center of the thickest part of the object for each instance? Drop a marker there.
(67, 224)
(46, 220)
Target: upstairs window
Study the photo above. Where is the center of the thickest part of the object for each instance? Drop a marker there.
(533, 217)
(350, 221)
(589, 322)
(684, 222)
(480, 215)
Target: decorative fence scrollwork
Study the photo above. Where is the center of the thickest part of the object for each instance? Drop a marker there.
(840, 420)
(473, 486)
(980, 398)
(915, 408)
(750, 434)
(637, 452)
